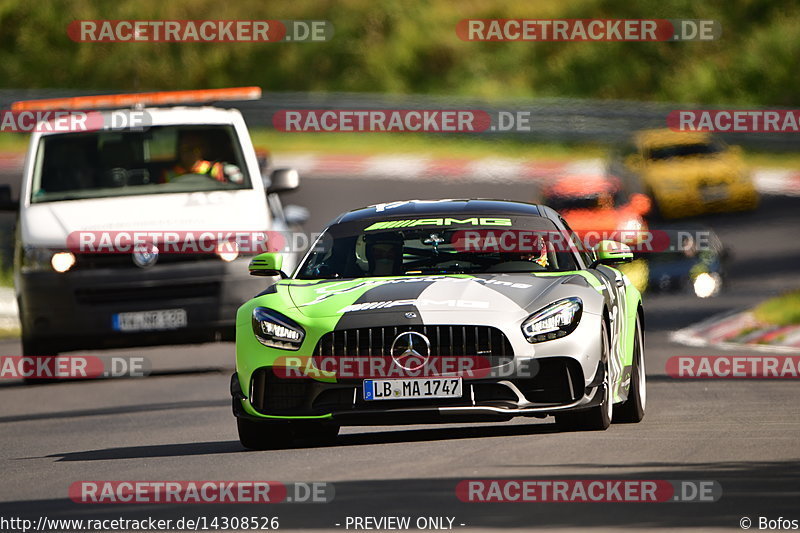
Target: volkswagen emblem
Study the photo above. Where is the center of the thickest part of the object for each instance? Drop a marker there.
(145, 255)
(411, 350)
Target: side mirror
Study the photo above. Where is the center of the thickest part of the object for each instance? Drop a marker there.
(267, 264)
(282, 180)
(6, 203)
(612, 253)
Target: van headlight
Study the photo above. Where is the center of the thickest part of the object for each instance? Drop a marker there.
(275, 330)
(557, 320)
(41, 259)
(62, 261)
(228, 251)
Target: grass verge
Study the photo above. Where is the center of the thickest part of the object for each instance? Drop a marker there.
(782, 310)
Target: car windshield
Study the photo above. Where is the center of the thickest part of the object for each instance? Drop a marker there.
(684, 150)
(436, 246)
(161, 159)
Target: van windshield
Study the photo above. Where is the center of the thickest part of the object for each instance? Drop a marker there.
(160, 159)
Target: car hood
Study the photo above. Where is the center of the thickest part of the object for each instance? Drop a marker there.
(49, 224)
(431, 299)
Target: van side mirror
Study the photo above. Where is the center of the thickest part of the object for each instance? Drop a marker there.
(282, 180)
(267, 264)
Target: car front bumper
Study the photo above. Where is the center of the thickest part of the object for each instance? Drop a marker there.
(75, 310)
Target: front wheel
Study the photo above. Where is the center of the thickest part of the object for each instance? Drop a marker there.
(263, 435)
(632, 410)
(596, 418)
(272, 435)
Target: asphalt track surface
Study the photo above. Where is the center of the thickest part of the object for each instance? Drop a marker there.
(176, 424)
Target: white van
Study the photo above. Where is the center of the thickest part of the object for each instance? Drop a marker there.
(140, 179)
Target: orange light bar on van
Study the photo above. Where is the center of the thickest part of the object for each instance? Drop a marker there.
(119, 101)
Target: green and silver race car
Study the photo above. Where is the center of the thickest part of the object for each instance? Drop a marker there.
(439, 311)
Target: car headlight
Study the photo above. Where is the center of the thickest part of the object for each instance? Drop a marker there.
(228, 251)
(707, 284)
(40, 259)
(557, 320)
(277, 331)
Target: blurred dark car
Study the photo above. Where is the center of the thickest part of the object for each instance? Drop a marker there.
(695, 263)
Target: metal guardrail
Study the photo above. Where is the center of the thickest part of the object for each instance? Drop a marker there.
(552, 119)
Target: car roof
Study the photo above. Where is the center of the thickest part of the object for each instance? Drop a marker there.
(436, 208)
(582, 185)
(668, 137)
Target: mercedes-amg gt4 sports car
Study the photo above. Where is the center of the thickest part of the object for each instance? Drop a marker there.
(439, 311)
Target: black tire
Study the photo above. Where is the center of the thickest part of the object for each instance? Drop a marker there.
(632, 410)
(597, 418)
(269, 435)
(37, 349)
(316, 432)
(263, 435)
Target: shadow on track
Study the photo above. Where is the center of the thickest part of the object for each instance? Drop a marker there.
(358, 439)
(123, 409)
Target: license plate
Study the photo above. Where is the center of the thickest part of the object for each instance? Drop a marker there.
(713, 193)
(150, 320)
(409, 389)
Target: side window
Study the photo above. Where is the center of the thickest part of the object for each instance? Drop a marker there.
(586, 254)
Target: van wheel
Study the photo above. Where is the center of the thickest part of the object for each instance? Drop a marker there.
(37, 349)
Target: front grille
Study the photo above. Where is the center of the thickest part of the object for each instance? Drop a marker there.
(454, 341)
(86, 261)
(109, 295)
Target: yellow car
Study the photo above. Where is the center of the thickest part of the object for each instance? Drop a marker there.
(688, 173)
